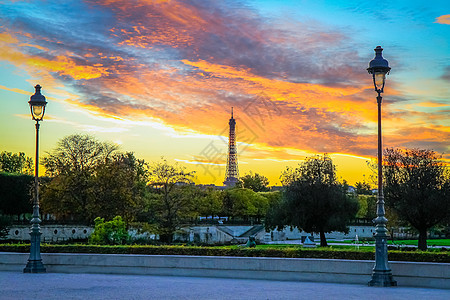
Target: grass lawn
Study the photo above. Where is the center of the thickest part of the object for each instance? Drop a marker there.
(351, 245)
(439, 242)
(433, 242)
(297, 246)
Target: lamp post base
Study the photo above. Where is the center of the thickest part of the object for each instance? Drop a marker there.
(382, 278)
(35, 266)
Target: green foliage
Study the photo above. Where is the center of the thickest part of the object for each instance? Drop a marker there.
(91, 180)
(72, 168)
(315, 170)
(323, 253)
(77, 154)
(16, 163)
(367, 206)
(363, 188)
(244, 203)
(313, 200)
(417, 188)
(15, 196)
(112, 232)
(118, 187)
(209, 202)
(171, 197)
(254, 182)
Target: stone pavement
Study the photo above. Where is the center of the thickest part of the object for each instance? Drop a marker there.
(16, 285)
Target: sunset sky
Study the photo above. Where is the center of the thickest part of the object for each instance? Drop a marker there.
(159, 78)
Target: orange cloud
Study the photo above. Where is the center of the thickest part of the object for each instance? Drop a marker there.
(10, 50)
(444, 19)
(432, 104)
(16, 90)
(66, 66)
(189, 63)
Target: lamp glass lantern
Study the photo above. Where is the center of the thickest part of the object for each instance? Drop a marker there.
(379, 68)
(37, 104)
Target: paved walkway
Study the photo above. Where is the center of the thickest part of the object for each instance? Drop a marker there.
(16, 285)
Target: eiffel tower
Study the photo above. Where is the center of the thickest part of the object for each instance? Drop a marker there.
(232, 172)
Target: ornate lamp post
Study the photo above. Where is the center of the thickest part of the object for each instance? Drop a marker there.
(381, 275)
(37, 105)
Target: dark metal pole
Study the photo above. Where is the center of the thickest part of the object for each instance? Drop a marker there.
(382, 275)
(34, 264)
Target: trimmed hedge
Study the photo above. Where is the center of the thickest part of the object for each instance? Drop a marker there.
(416, 256)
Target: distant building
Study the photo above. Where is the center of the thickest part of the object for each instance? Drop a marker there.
(276, 188)
(211, 186)
(351, 189)
(232, 171)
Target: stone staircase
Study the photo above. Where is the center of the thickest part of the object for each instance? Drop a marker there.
(253, 231)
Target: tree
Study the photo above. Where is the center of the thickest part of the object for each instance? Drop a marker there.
(72, 166)
(171, 197)
(15, 194)
(118, 187)
(367, 206)
(313, 200)
(363, 188)
(417, 188)
(255, 182)
(77, 153)
(273, 201)
(209, 202)
(16, 163)
(244, 203)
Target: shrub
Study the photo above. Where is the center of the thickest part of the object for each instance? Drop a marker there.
(109, 233)
(415, 256)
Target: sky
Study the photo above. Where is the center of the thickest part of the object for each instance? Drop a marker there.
(159, 79)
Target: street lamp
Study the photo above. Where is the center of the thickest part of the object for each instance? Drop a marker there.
(37, 106)
(381, 275)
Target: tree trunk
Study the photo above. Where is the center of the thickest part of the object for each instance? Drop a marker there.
(422, 240)
(323, 240)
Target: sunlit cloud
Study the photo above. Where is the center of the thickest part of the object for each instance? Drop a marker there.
(444, 19)
(433, 104)
(179, 66)
(199, 162)
(15, 90)
(352, 156)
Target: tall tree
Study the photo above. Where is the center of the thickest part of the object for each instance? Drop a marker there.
(16, 163)
(313, 199)
(118, 187)
(255, 182)
(244, 203)
(172, 197)
(209, 202)
(77, 153)
(15, 198)
(72, 167)
(367, 206)
(417, 187)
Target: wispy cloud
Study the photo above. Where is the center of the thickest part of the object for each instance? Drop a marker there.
(195, 162)
(444, 19)
(182, 64)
